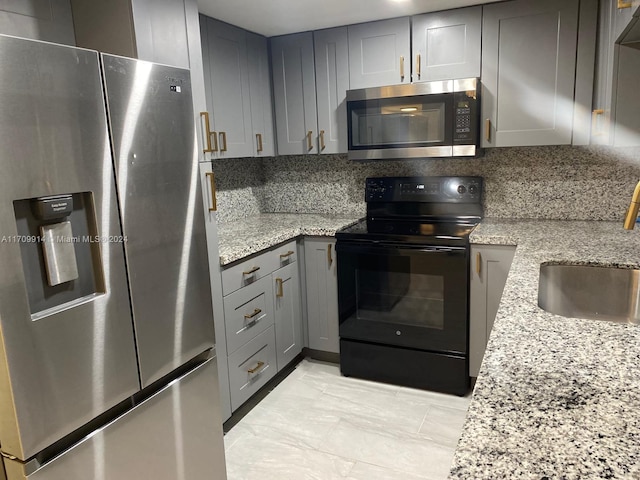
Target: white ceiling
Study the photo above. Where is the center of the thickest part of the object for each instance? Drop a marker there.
(278, 17)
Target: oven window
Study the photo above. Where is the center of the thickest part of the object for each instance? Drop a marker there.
(398, 121)
(396, 293)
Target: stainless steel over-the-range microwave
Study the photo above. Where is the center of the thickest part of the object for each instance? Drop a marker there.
(429, 119)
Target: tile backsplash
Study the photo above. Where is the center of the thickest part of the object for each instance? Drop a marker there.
(554, 182)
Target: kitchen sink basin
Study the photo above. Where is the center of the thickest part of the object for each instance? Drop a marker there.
(584, 291)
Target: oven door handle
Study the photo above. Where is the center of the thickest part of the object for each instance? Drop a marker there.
(394, 248)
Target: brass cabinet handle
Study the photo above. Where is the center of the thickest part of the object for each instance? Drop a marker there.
(288, 254)
(253, 270)
(223, 141)
(258, 366)
(594, 122)
(418, 66)
(322, 145)
(207, 132)
(279, 284)
(401, 68)
(309, 141)
(487, 129)
(329, 257)
(259, 142)
(212, 182)
(257, 311)
(478, 263)
(622, 4)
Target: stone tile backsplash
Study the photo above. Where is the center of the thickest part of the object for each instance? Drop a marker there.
(554, 182)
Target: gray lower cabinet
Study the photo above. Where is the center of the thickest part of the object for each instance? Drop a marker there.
(447, 44)
(47, 20)
(331, 50)
(489, 270)
(294, 93)
(379, 53)
(227, 88)
(262, 322)
(287, 313)
(536, 70)
(322, 294)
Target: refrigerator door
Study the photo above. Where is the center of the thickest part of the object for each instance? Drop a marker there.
(174, 435)
(66, 350)
(153, 137)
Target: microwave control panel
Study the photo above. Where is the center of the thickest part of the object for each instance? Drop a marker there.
(465, 119)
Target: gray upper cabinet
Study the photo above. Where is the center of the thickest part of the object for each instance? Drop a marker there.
(322, 294)
(447, 44)
(260, 90)
(294, 93)
(227, 86)
(332, 82)
(48, 20)
(379, 53)
(528, 72)
(152, 30)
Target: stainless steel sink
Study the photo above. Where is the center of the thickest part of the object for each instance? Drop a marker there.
(584, 291)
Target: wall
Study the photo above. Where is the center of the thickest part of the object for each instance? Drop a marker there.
(563, 182)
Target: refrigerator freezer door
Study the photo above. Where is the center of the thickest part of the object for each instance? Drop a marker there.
(74, 362)
(153, 137)
(174, 435)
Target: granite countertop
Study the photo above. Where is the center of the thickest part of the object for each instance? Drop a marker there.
(241, 238)
(556, 397)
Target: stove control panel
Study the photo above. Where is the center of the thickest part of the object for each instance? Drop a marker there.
(424, 189)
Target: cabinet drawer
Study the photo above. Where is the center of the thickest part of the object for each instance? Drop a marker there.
(255, 268)
(251, 366)
(246, 273)
(248, 312)
(284, 255)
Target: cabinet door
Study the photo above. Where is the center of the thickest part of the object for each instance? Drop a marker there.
(332, 82)
(294, 93)
(228, 92)
(261, 102)
(48, 20)
(446, 44)
(489, 270)
(528, 72)
(379, 53)
(322, 294)
(288, 314)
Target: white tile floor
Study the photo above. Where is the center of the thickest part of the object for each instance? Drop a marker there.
(319, 425)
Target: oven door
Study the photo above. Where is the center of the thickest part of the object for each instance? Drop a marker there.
(404, 295)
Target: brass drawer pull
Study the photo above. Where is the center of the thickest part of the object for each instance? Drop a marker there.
(207, 133)
(288, 254)
(322, 145)
(478, 263)
(329, 257)
(259, 142)
(622, 4)
(258, 366)
(280, 288)
(401, 68)
(257, 311)
(252, 271)
(223, 141)
(594, 122)
(418, 65)
(309, 140)
(212, 181)
(487, 130)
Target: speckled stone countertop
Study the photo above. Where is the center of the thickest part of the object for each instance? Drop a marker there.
(241, 238)
(556, 397)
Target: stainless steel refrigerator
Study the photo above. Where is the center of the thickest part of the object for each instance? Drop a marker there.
(107, 365)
